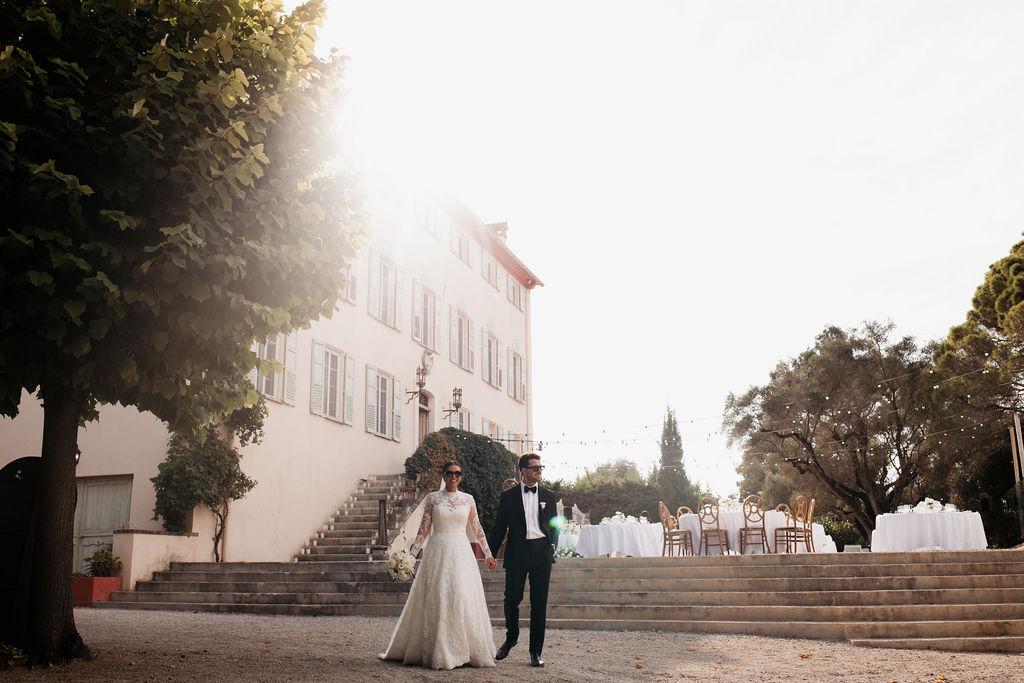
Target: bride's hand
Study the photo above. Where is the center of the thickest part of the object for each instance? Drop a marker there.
(492, 563)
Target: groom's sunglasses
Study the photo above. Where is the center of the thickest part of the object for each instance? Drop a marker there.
(453, 473)
(536, 468)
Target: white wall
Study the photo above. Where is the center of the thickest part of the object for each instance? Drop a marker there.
(308, 465)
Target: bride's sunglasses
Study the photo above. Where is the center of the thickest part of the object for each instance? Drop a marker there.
(453, 473)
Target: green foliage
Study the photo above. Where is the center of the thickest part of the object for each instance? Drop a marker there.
(103, 562)
(843, 531)
(11, 656)
(164, 197)
(424, 465)
(671, 484)
(485, 465)
(849, 413)
(199, 471)
(247, 422)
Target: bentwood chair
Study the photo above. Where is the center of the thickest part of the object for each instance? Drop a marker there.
(793, 529)
(753, 524)
(710, 532)
(673, 539)
(687, 535)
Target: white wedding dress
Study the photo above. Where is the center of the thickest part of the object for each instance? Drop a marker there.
(445, 623)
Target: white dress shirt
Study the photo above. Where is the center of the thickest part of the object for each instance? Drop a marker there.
(531, 505)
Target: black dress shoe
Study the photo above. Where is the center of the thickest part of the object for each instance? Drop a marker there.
(503, 650)
(535, 659)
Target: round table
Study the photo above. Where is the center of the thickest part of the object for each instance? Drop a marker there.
(910, 531)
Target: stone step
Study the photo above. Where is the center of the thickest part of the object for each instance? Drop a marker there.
(399, 589)
(1012, 644)
(785, 613)
(286, 609)
(839, 583)
(240, 597)
(844, 559)
(814, 630)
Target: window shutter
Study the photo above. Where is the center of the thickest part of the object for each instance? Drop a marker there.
(350, 389)
(522, 380)
(469, 427)
(396, 431)
(353, 282)
(397, 308)
(453, 336)
(253, 375)
(501, 433)
(373, 287)
(417, 313)
(435, 337)
(485, 371)
(472, 364)
(290, 366)
(469, 250)
(483, 425)
(512, 379)
(501, 364)
(371, 399)
(316, 381)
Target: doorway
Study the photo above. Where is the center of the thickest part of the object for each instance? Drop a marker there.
(103, 505)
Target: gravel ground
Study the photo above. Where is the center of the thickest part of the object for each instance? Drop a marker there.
(137, 645)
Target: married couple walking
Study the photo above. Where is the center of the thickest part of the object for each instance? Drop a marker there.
(445, 623)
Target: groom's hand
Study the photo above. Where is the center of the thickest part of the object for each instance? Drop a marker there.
(492, 563)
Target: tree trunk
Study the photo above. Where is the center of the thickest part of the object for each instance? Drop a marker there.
(52, 633)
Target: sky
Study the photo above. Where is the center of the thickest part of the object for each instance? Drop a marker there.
(702, 187)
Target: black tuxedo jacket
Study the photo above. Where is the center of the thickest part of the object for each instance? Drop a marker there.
(512, 518)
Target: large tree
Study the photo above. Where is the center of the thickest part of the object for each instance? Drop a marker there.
(161, 172)
(850, 411)
(671, 484)
(979, 385)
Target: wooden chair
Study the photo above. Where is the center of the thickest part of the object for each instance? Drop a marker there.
(710, 532)
(687, 535)
(672, 537)
(753, 524)
(805, 529)
(793, 530)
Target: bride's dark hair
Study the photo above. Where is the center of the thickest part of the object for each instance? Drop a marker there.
(447, 465)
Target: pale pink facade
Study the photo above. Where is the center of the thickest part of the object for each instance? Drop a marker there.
(433, 285)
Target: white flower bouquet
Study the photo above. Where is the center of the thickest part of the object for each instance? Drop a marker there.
(566, 552)
(401, 566)
(928, 505)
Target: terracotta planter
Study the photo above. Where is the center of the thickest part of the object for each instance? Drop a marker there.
(86, 590)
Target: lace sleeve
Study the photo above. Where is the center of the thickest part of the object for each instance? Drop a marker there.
(421, 535)
(474, 527)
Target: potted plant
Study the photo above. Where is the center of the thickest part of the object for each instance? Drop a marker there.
(101, 579)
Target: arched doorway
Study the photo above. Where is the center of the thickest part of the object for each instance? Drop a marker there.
(423, 421)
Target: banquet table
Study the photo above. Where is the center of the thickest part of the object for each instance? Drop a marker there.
(732, 522)
(899, 532)
(567, 540)
(645, 540)
(637, 540)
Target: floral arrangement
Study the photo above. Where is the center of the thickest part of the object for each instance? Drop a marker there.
(928, 505)
(567, 552)
(401, 566)
(571, 527)
(620, 518)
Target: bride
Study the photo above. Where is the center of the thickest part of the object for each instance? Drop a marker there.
(445, 623)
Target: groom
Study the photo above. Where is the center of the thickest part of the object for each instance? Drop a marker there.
(525, 511)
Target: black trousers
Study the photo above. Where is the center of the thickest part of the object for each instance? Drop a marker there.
(539, 571)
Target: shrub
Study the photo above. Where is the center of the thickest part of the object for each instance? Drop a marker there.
(485, 465)
(103, 562)
(843, 531)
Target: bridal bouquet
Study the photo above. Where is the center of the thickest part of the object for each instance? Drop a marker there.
(401, 566)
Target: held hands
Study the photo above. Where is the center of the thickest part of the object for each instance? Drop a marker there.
(492, 563)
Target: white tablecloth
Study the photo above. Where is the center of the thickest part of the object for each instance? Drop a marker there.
(732, 522)
(928, 531)
(567, 540)
(637, 540)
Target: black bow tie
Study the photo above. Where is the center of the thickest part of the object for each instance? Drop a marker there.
(529, 489)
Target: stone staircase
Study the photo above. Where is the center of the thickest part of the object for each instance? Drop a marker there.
(349, 534)
(939, 600)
